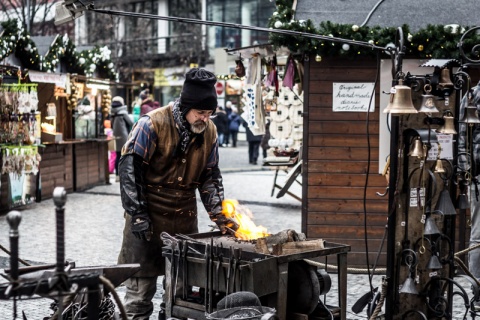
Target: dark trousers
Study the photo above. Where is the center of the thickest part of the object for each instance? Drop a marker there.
(253, 150)
(234, 135)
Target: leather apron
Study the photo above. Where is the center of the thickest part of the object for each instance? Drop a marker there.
(171, 211)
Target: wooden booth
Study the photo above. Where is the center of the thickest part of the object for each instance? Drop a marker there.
(346, 155)
(78, 160)
(53, 136)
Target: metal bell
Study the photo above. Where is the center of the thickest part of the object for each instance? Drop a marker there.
(417, 150)
(434, 263)
(430, 226)
(428, 101)
(462, 202)
(400, 100)
(470, 115)
(444, 204)
(439, 167)
(445, 80)
(409, 286)
(448, 127)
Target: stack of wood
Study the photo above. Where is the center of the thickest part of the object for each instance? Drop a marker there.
(287, 242)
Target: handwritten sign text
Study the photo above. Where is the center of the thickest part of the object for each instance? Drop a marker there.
(353, 97)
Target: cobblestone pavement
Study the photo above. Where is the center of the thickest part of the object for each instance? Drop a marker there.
(94, 224)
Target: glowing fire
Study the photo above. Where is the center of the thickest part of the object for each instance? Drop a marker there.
(247, 230)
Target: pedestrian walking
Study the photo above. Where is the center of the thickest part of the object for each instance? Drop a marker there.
(147, 104)
(221, 122)
(265, 139)
(170, 153)
(228, 111)
(253, 144)
(234, 125)
(121, 126)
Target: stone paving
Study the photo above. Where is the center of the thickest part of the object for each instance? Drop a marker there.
(94, 224)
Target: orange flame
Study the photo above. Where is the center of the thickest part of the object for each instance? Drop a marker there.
(247, 230)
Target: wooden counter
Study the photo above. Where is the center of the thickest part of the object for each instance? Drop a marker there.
(76, 165)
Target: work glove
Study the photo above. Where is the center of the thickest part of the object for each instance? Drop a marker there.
(226, 225)
(142, 227)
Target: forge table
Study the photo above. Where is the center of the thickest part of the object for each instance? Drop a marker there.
(264, 275)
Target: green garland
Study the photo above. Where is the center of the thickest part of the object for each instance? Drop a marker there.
(87, 62)
(9, 38)
(434, 41)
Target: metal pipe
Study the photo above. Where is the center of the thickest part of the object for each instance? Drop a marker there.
(237, 26)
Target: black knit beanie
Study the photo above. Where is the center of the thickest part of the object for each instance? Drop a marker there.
(198, 91)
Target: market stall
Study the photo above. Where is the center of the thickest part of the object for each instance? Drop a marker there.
(48, 139)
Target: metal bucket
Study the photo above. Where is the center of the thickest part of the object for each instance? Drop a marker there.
(243, 313)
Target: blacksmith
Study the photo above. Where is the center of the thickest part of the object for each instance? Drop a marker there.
(171, 152)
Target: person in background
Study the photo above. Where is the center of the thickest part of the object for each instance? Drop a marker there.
(136, 109)
(147, 104)
(265, 138)
(228, 111)
(234, 125)
(121, 126)
(112, 154)
(253, 144)
(221, 122)
(170, 153)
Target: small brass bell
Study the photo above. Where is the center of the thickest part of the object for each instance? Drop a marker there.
(439, 167)
(417, 150)
(400, 100)
(448, 127)
(428, 101)
(470, 116)
(445, 80)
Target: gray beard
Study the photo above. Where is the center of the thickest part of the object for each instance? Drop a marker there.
(198, 127)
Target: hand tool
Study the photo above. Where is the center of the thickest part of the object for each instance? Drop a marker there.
(184, 270)
(210, 278)
(178, 264)
(207, 272)
(235, 265)
(229, 271)
(218, 263)
(239, 269)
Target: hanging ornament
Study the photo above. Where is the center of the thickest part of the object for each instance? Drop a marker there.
(346, 47)
(318, 58)
(278, 24)
(355, 28)
(371, 41)
(420, 47)
(409, 37)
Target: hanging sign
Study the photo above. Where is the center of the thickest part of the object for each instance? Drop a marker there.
(446, 151)
(60, 80)
(353, 97)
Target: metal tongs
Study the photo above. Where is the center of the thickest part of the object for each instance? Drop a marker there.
(172, 242)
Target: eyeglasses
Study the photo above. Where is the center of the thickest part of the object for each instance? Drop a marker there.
(203, 113)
